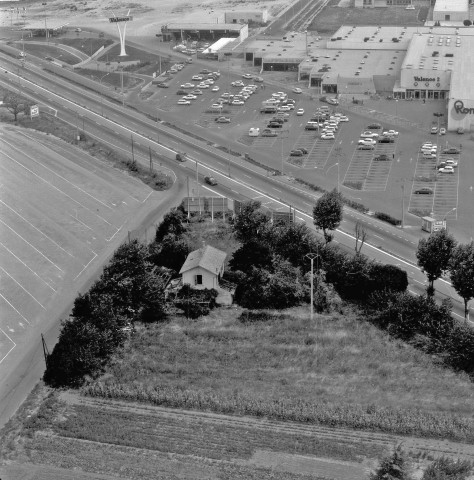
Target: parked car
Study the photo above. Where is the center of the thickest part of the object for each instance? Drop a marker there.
(434, 130)
(188, 85)
(328, 136)
(217, 106)
(237, 102)
(442, 131)
(182, 101)
(274, 125)
(374, 126)
(423, 191)
(446, 169)
(460, 131)
(390, 133)
(181, 92)
(451, 162)
(382, 158)
(451, 150)
(343, 118)
(197, 92)
(296, 153)
(365, 147)
(269, 133)
(190, 97)
(297, 90)
(196, 77)
(258, 79)
(222, 119)
(210, 180)
(162, 85)
(311, 126)
(367, 141)
(386, 140)
(238, 83)
(369, 134)
(203, 85)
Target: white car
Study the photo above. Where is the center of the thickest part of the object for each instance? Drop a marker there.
(284, 108)
(203, 85)
(369, 134)
(237, 102)
(328, 136)
(189, 97)
(188, 85)
(451, 162)
(343, 118)
(217, 105)
(209, 81)
(247, 75)
(215, 89)
(238, 83)
(226, 95)
(442, 131)
(196, 77)
(367, 141)
(390, 133)
(297, 90)
(300, 112)
(182, 101)
(446, 169)
(410, 7)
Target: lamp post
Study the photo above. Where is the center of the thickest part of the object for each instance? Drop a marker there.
(336, 164)
(282, 158)
(311, 257)
(306, 33)
(446, 214)
(102, 94)
(438, 115)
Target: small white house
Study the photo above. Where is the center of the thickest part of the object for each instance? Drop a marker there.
(203, 268)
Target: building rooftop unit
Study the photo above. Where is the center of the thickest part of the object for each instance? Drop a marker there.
(204, 26)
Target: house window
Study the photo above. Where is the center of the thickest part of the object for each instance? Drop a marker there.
(447, 17)
(198, 280)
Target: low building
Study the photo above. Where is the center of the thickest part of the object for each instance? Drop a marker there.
(451, 11)
(203, 268)
(245, 16)
(203, 31)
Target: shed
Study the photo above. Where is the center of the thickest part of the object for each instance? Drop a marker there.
(203, 267)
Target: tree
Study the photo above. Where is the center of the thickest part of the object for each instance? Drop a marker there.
(173, 222)
(461, 270)
(153, 298)
(251, 222)
(393, 467)
(433, 256)
(14, 104)
(171, 252)
(467, 23)
(360, 236)
(253, 253)
(445, 468)
(327, 213)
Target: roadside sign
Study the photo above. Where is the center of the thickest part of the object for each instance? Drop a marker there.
(34, 111)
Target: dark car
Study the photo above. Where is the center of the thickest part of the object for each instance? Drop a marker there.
(451, 150)
(374, 126)
(423, 191)
(162, 85)
(382, 158)
(386, 140)
(222, 120)
(303, 150)
(274, 125)
(181, 92)
(269, 133)
(210, 180)
(311, 127)
(277, 120)
(205, 71)
(296, 153)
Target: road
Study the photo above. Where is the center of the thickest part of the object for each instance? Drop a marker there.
(387, 244)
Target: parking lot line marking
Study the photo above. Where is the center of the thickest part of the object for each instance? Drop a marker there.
(24, 289)
(23, 263)
(15, 309)
(56, 188)
(37, 229)
(8, 353)
(33, 247)
(118, 230)
(60, 176)
(95, 255)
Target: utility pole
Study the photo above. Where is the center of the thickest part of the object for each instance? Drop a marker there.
(151, 160)
(403, 204)
(197, 187)
(133, 155)
(312, 256)
(45, 350)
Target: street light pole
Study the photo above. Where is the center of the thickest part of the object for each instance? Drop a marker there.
(446, 214)
(403, 205)
(102, 95)
(311, 257)
(336, 164)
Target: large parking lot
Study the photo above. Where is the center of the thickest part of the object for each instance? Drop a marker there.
(363, 176)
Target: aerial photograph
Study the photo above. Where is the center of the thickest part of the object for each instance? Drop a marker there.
(237, 240)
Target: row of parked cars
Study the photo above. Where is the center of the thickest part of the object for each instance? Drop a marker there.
(206, 81)
(447, 165)
(374, 134)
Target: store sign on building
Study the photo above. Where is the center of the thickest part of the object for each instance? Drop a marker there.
(460, 109)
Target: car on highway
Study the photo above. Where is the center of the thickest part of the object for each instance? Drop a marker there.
(328, 136)
(442, 131)
(300, 111)
(446, 169)
(423, 191)
(297, 90)
(434, 130)
(247, 75)
(182, 101)
(451, 150)
(390, 133)
(368, 134)
(269, 133)
(365, 147)
(189, 97)
(367, 141)
(296, 153)
(382, 158)
(210, 180)
(188, 85)
(222, 119)
(196, 77)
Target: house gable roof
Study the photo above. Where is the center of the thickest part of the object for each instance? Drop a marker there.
(208, 257)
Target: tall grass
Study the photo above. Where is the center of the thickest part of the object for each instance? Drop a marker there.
(335, 370)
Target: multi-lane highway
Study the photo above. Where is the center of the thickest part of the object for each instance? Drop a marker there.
(115, 124)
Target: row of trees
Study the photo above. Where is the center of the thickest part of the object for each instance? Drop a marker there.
(439, 254)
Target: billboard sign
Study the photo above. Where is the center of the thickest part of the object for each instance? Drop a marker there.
(120, 19)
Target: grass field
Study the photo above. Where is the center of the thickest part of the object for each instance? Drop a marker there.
(50, 50)
(337, 369)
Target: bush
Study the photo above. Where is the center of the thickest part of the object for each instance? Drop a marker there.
(385, 217)
(193, 307)
(445, 468)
